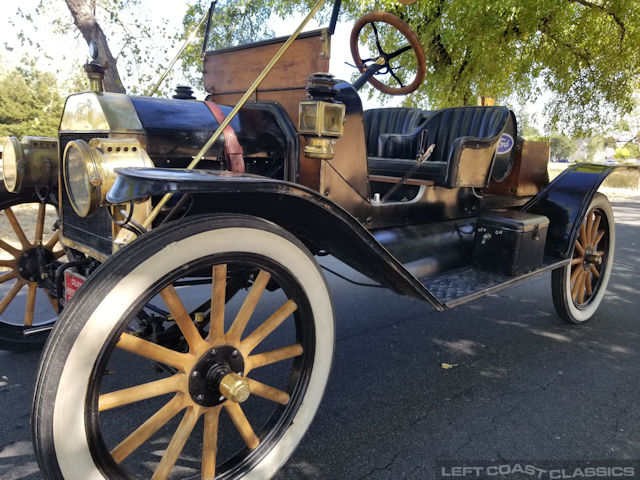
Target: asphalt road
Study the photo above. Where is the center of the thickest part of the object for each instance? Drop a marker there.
(526, 387)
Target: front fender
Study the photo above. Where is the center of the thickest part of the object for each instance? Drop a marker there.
(565, 202)
(317, 221)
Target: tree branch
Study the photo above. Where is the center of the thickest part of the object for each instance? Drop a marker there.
(595, 6)
(86, 22)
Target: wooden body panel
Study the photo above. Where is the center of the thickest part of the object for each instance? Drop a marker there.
(229, 73)
(529, 172)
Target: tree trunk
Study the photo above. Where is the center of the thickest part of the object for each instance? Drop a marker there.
(85, 20)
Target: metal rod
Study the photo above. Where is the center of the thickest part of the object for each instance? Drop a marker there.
(189, 39)
(237, 108)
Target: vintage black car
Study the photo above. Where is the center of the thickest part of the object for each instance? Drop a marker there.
(203, 293)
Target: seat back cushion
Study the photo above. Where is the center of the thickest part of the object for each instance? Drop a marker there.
(388, 121)
(446, 125)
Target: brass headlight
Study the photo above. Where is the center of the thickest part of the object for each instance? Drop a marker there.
(31, 162)
(89, 169)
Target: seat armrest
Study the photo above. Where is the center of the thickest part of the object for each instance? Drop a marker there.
(471, 161)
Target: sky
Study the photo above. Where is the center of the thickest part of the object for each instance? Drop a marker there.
(70, 51)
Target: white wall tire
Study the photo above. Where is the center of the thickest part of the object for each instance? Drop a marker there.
(578, 288)
(67, 436)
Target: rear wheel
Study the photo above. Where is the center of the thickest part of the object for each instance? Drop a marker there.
(245, 315)
(578, 288)
(28, 245)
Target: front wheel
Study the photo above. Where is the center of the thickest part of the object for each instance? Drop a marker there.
(578, 288)
(226, 382)
(28, 248)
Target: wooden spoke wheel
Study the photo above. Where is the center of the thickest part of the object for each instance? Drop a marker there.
(229, 386)
(579, 287)
(387, 27)
(27, 246)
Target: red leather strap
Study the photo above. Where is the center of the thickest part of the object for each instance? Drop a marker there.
(233, 158)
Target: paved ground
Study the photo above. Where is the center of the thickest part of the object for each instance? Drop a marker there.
(527, 387)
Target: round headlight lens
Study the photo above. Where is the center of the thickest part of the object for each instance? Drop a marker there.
(11, 153)
(78, 169)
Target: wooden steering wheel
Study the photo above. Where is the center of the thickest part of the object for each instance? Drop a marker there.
(383, 60)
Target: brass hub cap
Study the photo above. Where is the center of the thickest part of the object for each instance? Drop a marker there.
(217, 377)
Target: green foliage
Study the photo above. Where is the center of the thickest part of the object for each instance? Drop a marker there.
(584, 51)
(141, 46)
(30, 103)
(562, 146)
(627, 152)
(594, 145)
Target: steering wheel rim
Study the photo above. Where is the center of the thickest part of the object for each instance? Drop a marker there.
(408, 34)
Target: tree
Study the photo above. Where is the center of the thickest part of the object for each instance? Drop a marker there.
(585, 52)
(30, 103)
(562, 146)
(140, 46)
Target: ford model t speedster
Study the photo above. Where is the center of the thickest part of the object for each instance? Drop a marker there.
(208, 321)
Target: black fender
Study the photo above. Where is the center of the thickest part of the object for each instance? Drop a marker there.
(317, 221)
(565, 202)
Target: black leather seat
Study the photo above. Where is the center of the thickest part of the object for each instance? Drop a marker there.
(465, 140)
(393, 132)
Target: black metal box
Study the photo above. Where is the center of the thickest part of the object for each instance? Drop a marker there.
(510, 242)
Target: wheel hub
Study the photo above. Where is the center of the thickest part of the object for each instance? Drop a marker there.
(217, 377)
(32, 261)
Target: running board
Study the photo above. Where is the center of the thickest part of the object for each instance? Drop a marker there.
(462, 285)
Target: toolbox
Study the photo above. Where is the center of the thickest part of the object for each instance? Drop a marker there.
(509, 242)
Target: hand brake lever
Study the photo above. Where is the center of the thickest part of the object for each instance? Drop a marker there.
(422, 157)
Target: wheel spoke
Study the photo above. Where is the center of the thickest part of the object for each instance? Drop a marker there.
(268, 326)
(8, 276)
(594, 270)
(393, 74)
(218, 302)
(274, 356)
(11, 294)
(247, 308)
(210, 442)
(148, 428)
(577, 261)
(587, 283)
(583, 236)
(400, 51)
(594, 230)
(589, 221)
(579, 248)
(598, 238)
(242, 424)
(31, 304)
(265, 391)
(177, 443)
(575, 273)
(153, 351)
(17, 228)
(40, 224)
(577, 286)
(182, 318)
(14, 252)
(138, 393)
(53, 240)
(581, 288)
(58, 254)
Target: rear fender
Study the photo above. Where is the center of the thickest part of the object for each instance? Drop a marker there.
(565, 202)
(319, 223)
